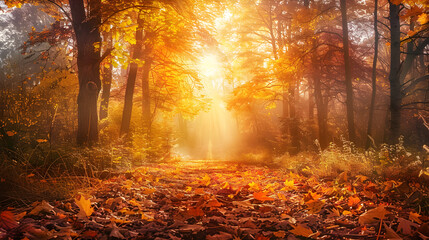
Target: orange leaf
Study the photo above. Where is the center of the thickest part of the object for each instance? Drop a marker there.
(195, 212)
(199, 191)
(301, 230)
(353, 201)
(10, 133)
(262, 196)
(415, 217)
(315, 206)
(213, 203)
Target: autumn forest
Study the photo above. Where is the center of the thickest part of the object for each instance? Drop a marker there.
(214, 119)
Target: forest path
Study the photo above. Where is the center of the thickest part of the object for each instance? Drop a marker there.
(210, 199)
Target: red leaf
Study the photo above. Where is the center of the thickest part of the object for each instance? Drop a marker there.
(7, 220)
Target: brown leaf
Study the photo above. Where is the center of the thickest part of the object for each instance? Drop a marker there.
(405, 226)
(373, 215)
(219, 236)
(42, 207)
(390, 233)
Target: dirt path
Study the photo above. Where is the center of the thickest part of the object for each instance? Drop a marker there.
(206, 199)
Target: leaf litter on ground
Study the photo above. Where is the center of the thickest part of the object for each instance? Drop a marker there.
(212, 200)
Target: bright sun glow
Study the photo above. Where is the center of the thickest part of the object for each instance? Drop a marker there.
(211, 71)
(209, 65)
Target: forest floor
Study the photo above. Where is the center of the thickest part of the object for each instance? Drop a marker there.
(204, 199)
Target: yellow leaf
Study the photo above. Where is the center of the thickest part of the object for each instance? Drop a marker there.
(289, 185)
(84, 205)
(41, 140)
(118, 220)
(205, 180)
(423, 18)
(254, 186)
(345, 212)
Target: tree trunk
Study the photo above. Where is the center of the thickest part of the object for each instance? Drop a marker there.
(349, 85)
(107, 80)
(395, 65)
(293, 121)
(374, 77)
(322, 113)
(131, 81)
(147, 120)
(88, 63)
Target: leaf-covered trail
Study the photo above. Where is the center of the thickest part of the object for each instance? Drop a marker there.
(215, 200)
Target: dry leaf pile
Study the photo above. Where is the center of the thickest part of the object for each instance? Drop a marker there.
(211, 200)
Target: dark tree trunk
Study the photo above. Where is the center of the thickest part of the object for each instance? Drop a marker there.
(107, 80)
(147, 119)
(322, 113)
(348, 76)
(395, 65)
(88, 63)
(293, 121)
(131, 81)
(374, 77)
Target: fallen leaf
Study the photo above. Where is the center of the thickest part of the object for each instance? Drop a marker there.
(42, 207)
(195, 212)
(280, 234)
(219, 236)
(301, 230)
(115, 233)
(405, 226)
(213, 203)
(390, 233)
(289, 185)
(373, 215)
(7, 220)
(353, 201)
(315, 206)
(85, 206)
(262, 196)
(253, 187)
(415, 217)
